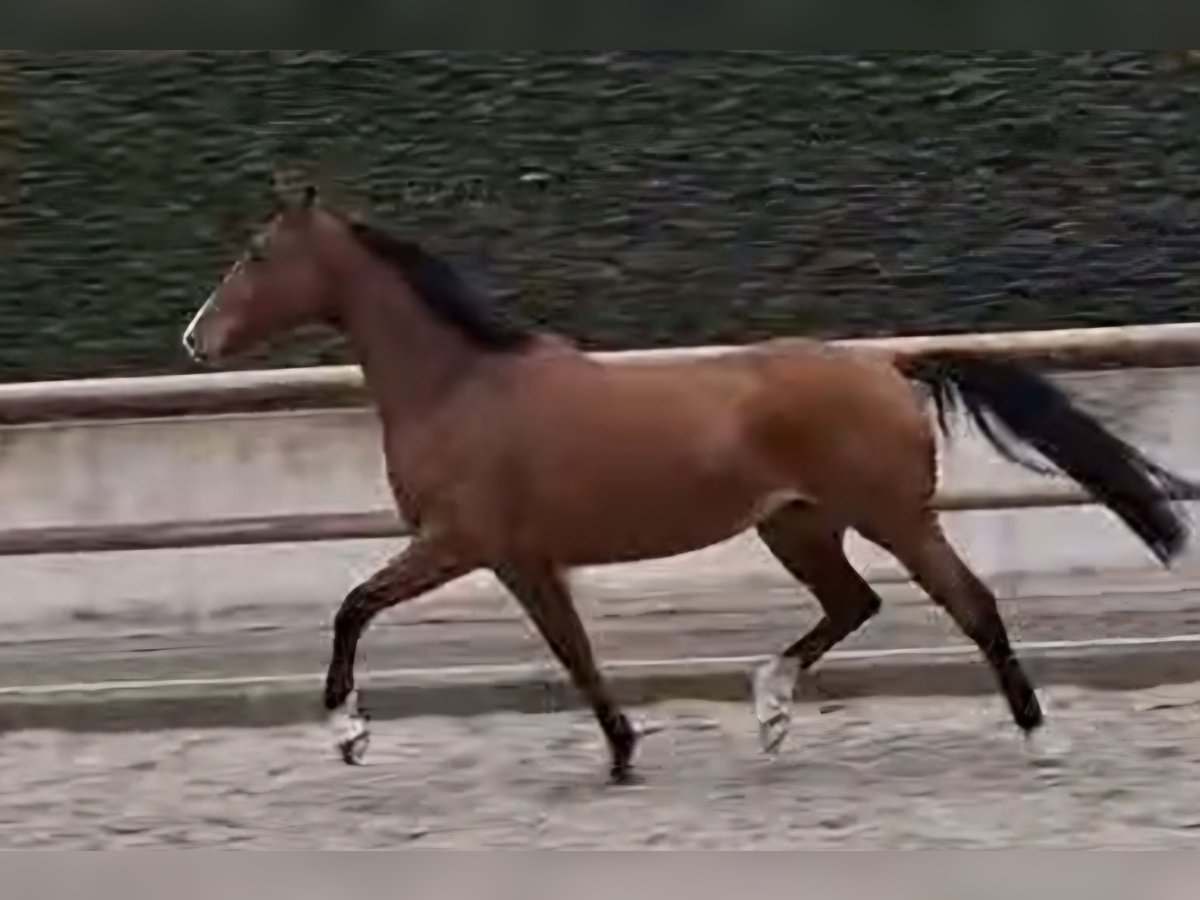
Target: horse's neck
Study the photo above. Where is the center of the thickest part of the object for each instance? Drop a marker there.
(409, 359)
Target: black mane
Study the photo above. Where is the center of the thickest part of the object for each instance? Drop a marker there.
(444, 291)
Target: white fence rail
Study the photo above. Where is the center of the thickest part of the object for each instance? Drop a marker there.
(1143, 346)
(341, 386)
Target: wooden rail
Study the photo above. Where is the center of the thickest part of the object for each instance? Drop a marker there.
(379, 524)
(1143, 346)
(341, 386)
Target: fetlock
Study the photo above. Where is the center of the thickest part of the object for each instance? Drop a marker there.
(622, 741)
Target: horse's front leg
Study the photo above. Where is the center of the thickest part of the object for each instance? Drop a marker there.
(427, 563)
(544, 595)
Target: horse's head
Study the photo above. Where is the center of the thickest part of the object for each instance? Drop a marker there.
(277, 285)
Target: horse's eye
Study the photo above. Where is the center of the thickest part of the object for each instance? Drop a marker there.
(257, 249)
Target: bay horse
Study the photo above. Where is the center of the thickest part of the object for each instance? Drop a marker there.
(512, 451)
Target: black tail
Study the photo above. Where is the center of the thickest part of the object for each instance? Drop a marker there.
(1039, 414)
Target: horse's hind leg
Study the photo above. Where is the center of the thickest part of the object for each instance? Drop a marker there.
(811, 549)
(923, 549)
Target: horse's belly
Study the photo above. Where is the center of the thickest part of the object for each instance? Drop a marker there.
(654, 520)
(645, 471)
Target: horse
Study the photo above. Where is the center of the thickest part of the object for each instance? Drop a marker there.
(513, 451)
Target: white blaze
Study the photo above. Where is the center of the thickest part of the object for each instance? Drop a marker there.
(189, 342)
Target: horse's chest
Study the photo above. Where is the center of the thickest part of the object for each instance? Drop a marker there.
(423, 473)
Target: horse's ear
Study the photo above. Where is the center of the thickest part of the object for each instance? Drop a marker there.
(310, 197)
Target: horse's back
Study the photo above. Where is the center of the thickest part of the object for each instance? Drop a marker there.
(796, 390)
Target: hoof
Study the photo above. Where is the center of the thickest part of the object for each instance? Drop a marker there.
(621, 772)
(624, 777)
(624, 748)
(774, 684)
(1046, 748)
(1045, 745)
(1028, 714)
(772, 732)
(355, 749)
(350, 732)
(1031, 715)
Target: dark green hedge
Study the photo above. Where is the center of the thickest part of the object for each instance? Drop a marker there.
(627, 199)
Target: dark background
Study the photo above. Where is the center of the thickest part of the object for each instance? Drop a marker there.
(626, 199)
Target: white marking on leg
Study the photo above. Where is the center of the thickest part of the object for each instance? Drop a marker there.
(1043, 703)
(774, 687)
(349, 730)
(1047, 745)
